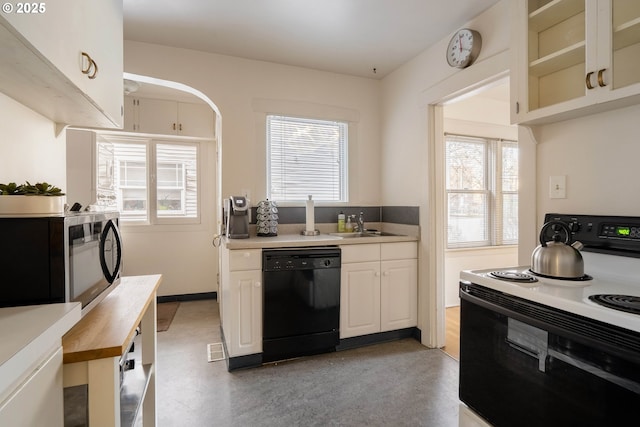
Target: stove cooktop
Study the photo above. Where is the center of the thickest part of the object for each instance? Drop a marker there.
(574, 296)
(627, 303)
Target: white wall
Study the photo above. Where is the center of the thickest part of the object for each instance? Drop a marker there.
(29, 149)
(241, 88)
(405, 153)
(469, 259)
(244, 90)
(599, 156)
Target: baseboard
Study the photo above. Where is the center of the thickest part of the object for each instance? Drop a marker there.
(380, 337)
(240, 362)
(187, 297)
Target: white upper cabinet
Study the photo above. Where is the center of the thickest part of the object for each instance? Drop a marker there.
(167, 117)
(574, 57)
(66, 60)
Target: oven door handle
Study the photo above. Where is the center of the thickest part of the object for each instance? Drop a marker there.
(466, 295)
(545, 325)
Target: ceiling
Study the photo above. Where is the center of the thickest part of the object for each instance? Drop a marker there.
(344, 36)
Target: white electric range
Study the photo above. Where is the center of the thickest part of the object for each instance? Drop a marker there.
(540, 351)
(611, 275)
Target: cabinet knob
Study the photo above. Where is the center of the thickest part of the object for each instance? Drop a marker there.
(588, 80)
(377, 274)
(386, 273)
(246, 254)
(257, 284)
(601, 82)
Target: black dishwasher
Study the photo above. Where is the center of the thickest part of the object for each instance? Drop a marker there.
(301, 302)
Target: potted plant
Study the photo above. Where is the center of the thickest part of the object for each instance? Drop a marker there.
(41, 198)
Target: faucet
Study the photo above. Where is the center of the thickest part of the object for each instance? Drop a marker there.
(361, 222)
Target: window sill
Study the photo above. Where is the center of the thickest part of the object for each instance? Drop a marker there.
(482, 248)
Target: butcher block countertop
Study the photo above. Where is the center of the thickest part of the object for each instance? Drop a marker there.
(109, 327)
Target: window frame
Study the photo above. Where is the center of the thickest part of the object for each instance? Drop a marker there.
(343, 153)
(493, 192)
(151, 163)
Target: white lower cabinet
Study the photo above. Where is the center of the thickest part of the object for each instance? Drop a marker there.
(379, 288)
(359, 299)
(241, 301)
(38, 400)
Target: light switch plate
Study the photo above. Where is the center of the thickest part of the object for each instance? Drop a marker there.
(558, 187)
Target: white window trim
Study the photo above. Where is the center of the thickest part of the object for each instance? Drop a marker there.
(493, 191)
(263, 107)
(153, 219)
(343, 168)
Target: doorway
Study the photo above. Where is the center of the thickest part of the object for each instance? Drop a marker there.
(471, 237)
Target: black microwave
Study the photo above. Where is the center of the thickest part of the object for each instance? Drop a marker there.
(76, 257)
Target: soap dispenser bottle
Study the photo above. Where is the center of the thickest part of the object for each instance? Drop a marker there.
(341, 225)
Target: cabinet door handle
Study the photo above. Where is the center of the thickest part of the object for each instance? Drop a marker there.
(588, 80)
(174, 126)
(91, 65)
(95, 70)
(601, 82)
(180, 126)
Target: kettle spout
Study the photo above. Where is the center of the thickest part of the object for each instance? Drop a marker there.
(577, 245)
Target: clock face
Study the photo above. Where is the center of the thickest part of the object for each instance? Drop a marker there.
(464, 48)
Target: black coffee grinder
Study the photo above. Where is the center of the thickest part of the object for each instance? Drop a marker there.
(237, 217)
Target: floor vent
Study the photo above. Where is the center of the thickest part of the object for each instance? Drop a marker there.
(215, 352)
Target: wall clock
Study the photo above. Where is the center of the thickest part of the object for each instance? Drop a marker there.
(464, 48)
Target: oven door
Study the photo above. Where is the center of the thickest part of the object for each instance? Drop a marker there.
(526, 364)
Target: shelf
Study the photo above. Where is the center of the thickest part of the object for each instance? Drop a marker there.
(564, 58)
(134, 388)
(626, 34)
(553, 13)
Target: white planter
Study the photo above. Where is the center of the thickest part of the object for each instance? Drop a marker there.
(32, 205)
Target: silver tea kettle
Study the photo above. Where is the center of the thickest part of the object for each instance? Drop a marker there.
(557, 258)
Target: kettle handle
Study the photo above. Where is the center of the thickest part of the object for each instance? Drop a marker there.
(551, 223)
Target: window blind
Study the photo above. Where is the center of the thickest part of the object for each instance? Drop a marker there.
(306, 157)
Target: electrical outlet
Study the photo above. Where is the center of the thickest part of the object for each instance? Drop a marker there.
(558, 187)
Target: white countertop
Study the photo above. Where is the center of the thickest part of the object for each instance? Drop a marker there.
(28, 333)
(298, 240)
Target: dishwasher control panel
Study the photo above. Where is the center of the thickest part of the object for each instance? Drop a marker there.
(301, 259)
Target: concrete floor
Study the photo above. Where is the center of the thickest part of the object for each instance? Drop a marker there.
(392, 384)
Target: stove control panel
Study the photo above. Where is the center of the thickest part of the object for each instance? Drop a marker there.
(619, 235)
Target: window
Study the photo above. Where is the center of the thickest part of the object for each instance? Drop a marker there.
(482, 191)
(152, 181)
(306, 157)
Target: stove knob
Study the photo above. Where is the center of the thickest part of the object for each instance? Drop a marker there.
(574, 226)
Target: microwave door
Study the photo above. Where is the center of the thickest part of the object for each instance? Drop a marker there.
(110, 251)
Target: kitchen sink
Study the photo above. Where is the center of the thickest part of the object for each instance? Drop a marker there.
(364, 234)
